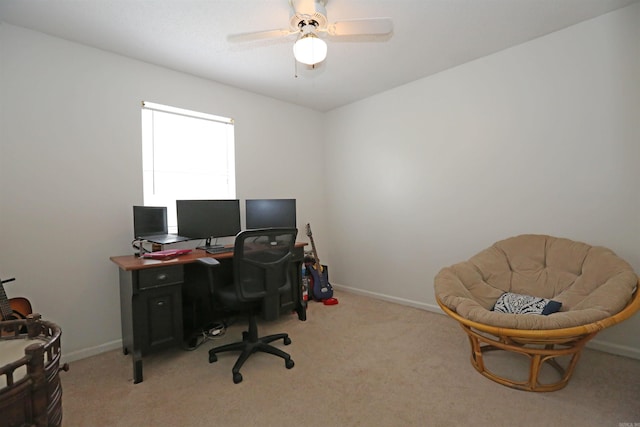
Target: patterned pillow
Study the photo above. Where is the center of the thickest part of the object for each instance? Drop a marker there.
(525, 304)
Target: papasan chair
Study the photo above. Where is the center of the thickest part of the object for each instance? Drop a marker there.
(537, 296)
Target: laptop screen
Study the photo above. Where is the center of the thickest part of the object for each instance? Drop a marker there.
(149, 220)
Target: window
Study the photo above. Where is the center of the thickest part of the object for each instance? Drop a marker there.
(185, 155)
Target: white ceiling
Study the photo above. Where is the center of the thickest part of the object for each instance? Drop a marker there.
(190, 36)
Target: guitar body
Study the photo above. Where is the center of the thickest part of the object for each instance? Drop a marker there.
(12, 309)
(20, 307)
(320, 287)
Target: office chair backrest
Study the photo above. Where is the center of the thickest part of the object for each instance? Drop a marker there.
(261, 266)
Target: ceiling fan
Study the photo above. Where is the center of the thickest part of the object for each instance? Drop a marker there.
(308, 20)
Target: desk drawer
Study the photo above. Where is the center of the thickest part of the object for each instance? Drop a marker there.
(161, 276)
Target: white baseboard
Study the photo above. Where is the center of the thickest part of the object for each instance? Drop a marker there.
(617, 349)
(595, 344)
(91, 351)
(401, 301)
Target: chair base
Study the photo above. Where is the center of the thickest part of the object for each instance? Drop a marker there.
(250, 344)
(539, 346)
(538, 351)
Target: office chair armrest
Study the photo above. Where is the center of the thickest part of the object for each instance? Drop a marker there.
(208, 261)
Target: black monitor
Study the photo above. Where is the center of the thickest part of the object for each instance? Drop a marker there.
(149, 220)
(266, 213)
(207, 219)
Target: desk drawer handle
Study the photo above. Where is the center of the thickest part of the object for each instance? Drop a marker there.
(160, 303)
(162, 276)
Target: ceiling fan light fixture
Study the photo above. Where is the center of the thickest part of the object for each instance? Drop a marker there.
(310, 49)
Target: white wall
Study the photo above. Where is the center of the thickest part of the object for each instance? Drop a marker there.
(70, 170)
(540, 138)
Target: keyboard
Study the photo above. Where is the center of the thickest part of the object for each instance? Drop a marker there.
(217, 249)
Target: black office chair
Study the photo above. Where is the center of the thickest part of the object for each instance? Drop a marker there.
(261, 263)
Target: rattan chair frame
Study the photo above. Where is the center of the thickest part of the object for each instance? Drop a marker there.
(539, 346)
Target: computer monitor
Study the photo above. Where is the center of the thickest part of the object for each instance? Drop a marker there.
(266, 213)
(207, 219)
(149, 220)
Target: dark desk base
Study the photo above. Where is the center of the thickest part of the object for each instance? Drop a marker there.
(164, 304)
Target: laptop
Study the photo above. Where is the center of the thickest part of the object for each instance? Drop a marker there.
(150, 223)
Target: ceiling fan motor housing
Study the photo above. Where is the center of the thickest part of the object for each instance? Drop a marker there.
(308, 12)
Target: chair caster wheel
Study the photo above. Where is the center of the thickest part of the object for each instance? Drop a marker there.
(289, 363)
(237, 377)
(287, 341)
(213, 358)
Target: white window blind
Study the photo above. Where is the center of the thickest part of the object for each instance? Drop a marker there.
(185, 155)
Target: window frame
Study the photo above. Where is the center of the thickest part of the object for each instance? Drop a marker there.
(164, 187)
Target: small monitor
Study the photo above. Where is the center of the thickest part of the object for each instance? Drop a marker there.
(149, 220)
(207, 219)
(267, 213)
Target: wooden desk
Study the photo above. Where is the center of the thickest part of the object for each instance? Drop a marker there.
(151, 299)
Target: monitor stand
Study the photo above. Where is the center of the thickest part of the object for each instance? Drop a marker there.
(208, 245)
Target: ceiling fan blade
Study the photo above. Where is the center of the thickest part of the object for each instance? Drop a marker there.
(259, 35)
(358, 27)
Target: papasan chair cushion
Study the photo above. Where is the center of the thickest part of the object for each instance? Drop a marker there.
(591, 282)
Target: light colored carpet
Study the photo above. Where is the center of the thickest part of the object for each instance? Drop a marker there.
(363, 362)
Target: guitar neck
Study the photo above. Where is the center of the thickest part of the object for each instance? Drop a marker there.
(315, 254)
(313, 248)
